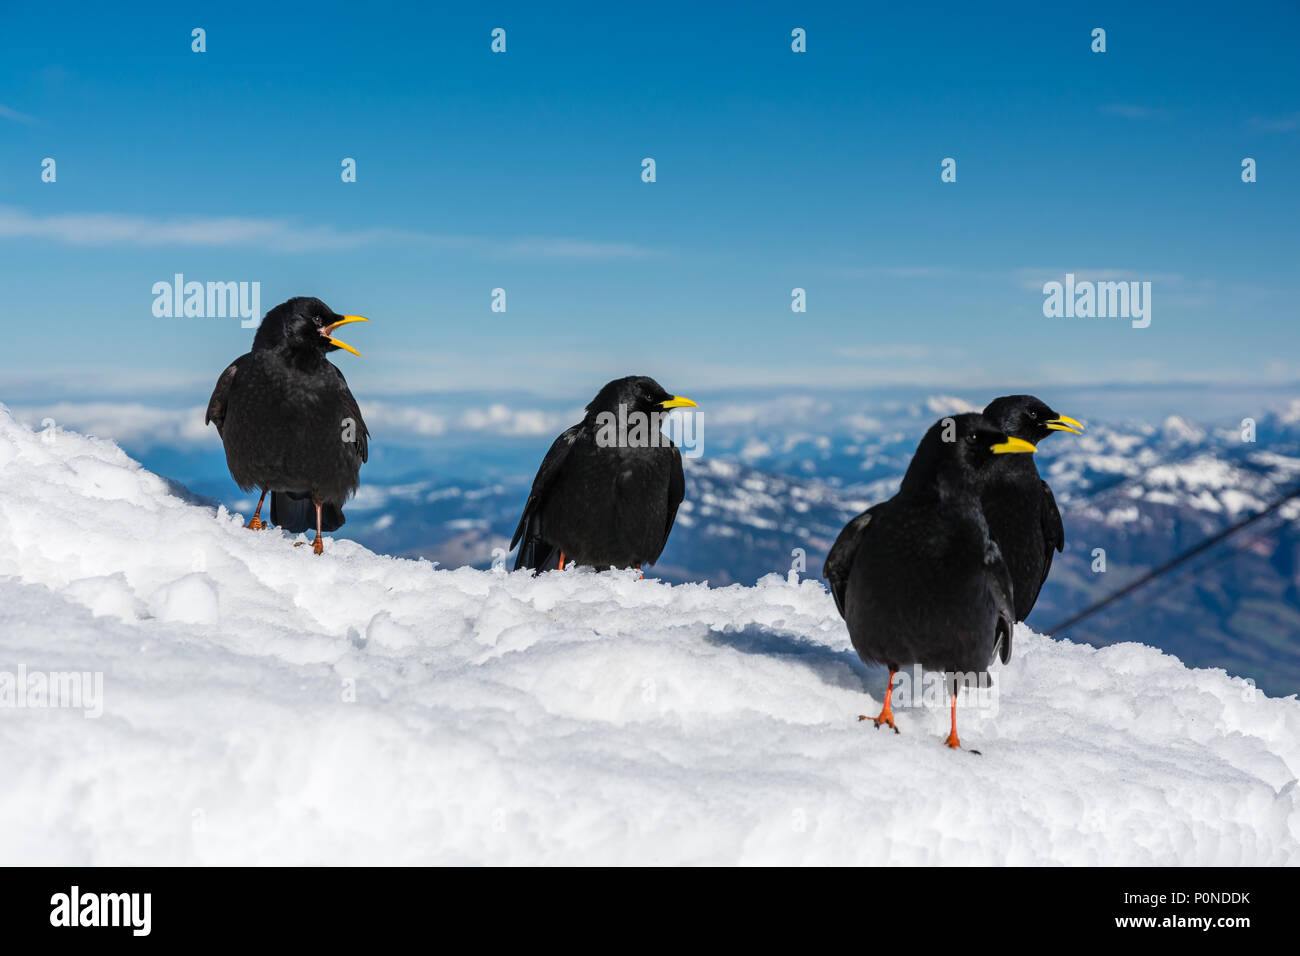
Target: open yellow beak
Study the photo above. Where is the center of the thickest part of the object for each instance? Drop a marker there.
(1065, 424)
(1012, 446)
(328, 332)
(678, 401)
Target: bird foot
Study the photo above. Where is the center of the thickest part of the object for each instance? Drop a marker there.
(255, 524)
(318, 546)
(885, 718)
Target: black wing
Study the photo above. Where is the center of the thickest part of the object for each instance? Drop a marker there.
(545, 475)
(353, 411)
(1053, 529)
(217, 403)
(676, 492)
(839, 562)
(1053, 539)
(1001, 589)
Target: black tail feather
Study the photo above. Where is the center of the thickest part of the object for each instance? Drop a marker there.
(297, 512)
(537, 555)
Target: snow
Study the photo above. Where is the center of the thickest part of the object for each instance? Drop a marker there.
(1202, 482)
(1179, 430)
(264, 705)
(1291, 414)
(948, 405)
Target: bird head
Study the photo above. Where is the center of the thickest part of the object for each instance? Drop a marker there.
(302, 325)
(1028, 418)
(959, 449)
(636, 393)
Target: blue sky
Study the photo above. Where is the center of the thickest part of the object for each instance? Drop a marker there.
(775, 170)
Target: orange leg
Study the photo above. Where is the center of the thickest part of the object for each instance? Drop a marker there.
(318, 546)
(952, 740)
(256, 521)
(886, 712)
(561, 560)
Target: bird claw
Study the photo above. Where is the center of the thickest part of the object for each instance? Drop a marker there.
(318, 546)
(255, 524)
(883, 719)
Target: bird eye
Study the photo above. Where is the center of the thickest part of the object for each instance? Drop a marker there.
(1033, 414)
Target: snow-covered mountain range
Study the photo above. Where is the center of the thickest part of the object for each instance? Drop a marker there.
(775, 486)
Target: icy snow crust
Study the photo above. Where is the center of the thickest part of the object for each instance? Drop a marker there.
(576, 717)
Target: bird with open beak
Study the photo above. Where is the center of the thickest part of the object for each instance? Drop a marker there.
(289, 423)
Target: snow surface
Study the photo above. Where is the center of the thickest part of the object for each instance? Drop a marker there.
(572, 718)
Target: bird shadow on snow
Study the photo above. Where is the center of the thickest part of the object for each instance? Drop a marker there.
(178, 490)
(836, 668)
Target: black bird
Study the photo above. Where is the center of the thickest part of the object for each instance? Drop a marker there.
(917, 578)
(607, 492)
(1018, 505)
(288, 420)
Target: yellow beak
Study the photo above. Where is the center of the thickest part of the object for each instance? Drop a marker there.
(1012, 446)
(1065, 424)
(328, 332)
(678, 401)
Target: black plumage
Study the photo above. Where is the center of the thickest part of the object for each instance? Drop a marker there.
(289, 422)
(917, 578)
(607, 492)
(1018, 504)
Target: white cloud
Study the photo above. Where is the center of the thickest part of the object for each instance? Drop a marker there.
(90, 229)
(12, 114)
(872, 353)
(1134, 111)
(896, 272)
(1281, 124)
(386, 417)
(502, 420)
(139, 425)
(575, 249)
(1033, 279)
(131, 423)
(949, 405)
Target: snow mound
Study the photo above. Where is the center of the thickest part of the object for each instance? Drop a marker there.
(264, 705)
